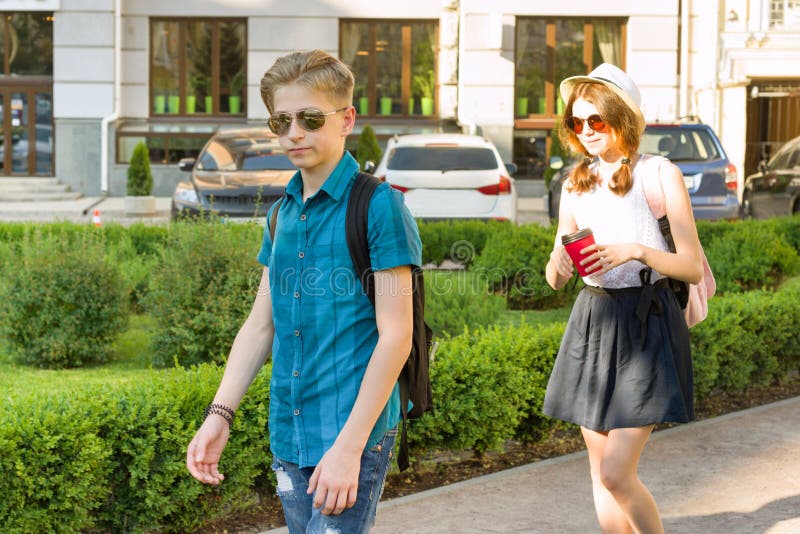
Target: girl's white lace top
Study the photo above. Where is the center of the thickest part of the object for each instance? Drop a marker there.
(620, 219)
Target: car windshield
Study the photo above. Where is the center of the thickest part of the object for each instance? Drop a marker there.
(441, 158)
(243, 154)
(679, 144)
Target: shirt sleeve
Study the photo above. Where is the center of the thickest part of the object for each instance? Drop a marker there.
(393, 234)
(266, 241)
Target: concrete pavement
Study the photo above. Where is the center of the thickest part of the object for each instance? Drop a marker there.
(735, 474)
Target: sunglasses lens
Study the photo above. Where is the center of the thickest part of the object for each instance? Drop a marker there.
(575, 124)
(280, 123)
(596, 123)
(311, 119)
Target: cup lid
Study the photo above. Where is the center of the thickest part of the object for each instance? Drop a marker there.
(575, 236)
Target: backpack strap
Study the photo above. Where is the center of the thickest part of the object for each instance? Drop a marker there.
(273, 220)
(656, 200)
(356, 228)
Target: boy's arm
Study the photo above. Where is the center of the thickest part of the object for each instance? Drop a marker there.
(335, 478)
(252, 345)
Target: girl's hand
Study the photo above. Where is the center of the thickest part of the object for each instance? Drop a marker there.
(603, 258)
(562, 262)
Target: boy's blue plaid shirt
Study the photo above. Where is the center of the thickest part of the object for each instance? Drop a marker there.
(325, 328)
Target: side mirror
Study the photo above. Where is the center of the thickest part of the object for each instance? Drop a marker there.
(186, 164)
(556, 162)
(369, 167)
(762, 166)
(511, 168)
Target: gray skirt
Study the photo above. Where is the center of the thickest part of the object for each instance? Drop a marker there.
(624, 361)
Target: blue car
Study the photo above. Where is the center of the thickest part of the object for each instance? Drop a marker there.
(709, 175)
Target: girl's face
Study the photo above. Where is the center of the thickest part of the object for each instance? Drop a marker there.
(596, 142)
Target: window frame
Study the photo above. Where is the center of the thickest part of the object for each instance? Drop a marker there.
(405, 77)
(182, 60)
(548, 119)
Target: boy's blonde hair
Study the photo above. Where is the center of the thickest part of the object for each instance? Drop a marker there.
(316, 70)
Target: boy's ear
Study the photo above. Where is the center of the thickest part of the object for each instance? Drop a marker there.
(349, 121)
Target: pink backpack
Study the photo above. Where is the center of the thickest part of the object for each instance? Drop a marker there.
(696, 308)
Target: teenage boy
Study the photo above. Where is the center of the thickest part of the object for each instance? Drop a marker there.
(334, 400)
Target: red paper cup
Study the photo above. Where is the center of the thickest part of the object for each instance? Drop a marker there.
(576, 242)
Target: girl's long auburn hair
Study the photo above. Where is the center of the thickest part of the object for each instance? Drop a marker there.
(624, 134)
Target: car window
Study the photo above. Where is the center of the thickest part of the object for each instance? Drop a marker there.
(257, 161)
(781, 160)
(680, 144)
(440, 158)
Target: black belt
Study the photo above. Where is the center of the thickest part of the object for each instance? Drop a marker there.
(647, 297)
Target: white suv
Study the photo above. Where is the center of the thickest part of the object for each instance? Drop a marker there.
(450, 176)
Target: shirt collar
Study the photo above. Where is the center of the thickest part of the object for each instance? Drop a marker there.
(334, 186)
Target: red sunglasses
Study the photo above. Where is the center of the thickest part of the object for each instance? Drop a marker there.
(595, 122)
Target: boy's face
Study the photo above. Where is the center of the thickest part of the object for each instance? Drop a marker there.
(313, 150)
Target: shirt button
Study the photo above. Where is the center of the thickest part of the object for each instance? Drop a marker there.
(297, 294)
(302, 255)
(297, 333)
(303, 217)
(297, 412)
(296, 373)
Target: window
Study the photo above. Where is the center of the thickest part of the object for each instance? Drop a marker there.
(197, 66)
(549, 50)
(394, 63)
(26, 44)
(784, 14)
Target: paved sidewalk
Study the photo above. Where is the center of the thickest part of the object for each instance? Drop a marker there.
(735, 474)
(112, 209)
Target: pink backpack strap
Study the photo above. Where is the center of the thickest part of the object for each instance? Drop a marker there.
(654, 193)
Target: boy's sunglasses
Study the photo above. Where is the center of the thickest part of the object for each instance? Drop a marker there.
(595, 122)
(308, 119)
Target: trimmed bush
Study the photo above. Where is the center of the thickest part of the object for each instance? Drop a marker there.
(367, 147)
(113, 459)
(202, 291)
(455, 300)
(457, 241)
(513, 262)
(754, 256)
(61, 302)
(140, 179)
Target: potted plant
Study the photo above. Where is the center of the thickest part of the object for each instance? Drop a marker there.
(139, 199)
(388, 90)
(235, 98)
(201, 86)
(524, 87)
(423, 86)
(360, 94)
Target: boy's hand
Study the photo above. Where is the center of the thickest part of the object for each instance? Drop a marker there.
(335, 479)
(202, 456)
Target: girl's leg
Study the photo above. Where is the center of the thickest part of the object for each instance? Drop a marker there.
(610, 516)
(618, 474)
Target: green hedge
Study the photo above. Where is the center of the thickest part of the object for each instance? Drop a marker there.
(112, 459)
(202, 291)
(455, 300)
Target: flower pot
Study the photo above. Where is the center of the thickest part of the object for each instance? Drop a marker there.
(542, 105)
(559, 106)
(191, 103)
(234, 104)
(140, 206)
(159, 103)
(174, 104)
(522, 106)
(427, 105)
(363, 105)
(209, 102)
(410, 106)
(386, 105)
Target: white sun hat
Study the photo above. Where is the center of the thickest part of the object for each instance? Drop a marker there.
(616, 80)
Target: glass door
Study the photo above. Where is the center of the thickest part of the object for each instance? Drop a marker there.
(26, 139)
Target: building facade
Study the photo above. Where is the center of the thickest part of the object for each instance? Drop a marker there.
(85, 80)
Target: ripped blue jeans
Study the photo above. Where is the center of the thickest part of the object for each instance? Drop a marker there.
(303, 518)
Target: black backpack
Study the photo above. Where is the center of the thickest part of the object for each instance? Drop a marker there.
(414, 380)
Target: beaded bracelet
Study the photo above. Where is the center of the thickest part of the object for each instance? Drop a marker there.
(221, 410)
